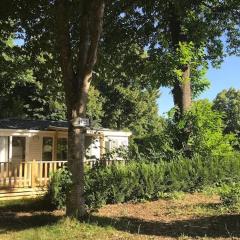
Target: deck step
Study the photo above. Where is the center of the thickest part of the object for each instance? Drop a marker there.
(21, 193)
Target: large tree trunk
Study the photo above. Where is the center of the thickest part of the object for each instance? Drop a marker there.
(76, 86)
(76, 153)
(75, 200)
(186, 89)
(182, 93)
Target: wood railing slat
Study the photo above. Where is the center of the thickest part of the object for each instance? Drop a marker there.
(20, 182)
(45, 173)
(15, 174)
(5, 174)
(25, 174)
(37, 173)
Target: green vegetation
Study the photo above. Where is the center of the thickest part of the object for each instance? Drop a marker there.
(227, 103)
(58, 188)
(199, 132)
(141, 181)
(230, 196)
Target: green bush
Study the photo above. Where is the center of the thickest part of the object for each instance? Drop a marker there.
(58, 188)
(230, 195)
(145, 180)
(200, 131)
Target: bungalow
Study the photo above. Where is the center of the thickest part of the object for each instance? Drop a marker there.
(26, 145)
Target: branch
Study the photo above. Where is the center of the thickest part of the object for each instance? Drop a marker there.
(96, 23)
(64, 45)
(84, 41)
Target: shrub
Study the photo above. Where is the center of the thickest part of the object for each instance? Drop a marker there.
(230, 195)
(145, 180)
(58, 188)
(200, 131)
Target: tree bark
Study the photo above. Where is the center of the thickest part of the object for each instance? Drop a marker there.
(186, 89)
(76, 148)
(182, 94)
(76, 86)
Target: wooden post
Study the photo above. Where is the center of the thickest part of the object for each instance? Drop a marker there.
(102, 147)
(55, 146)
(34, 173)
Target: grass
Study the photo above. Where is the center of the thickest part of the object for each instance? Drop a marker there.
(190, 216)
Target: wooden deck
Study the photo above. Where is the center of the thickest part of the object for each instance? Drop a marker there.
(30, 178)
(27, 174)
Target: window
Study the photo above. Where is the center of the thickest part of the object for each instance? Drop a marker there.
(4, 149)
(92, 146)
(18, 149)
(47, 149)
(111, 144)
(62, 149)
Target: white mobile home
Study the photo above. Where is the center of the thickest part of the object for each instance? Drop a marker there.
(25, 140)
(24, 143)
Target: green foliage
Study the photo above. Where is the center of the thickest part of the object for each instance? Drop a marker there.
(184, 54)
(95, 106)
(139, 181)
(144, 180)
(58, 188)
(131, 108)
(124, 80)
(227, 103)
(230, 195)
(26, 91)
(199, 132)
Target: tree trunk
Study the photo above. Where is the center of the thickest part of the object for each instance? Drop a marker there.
(76, 86)
(182, 94)
(76, 149)
(76, 153)
(186, 89)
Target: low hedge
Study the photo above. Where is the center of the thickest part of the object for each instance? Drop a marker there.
(138, 181)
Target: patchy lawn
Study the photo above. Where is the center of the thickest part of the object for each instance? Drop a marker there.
(192, 216)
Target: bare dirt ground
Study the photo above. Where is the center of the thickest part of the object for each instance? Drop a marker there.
(192, 216)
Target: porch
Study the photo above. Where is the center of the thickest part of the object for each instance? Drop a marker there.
(30, 178)
(46, 142)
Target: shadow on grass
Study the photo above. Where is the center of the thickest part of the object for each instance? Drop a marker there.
(25, 214)
(29, 214)
(215, 227)
(26, 205)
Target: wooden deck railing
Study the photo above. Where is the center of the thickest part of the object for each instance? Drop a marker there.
(27, 174)
(35, 173)
(15, 175)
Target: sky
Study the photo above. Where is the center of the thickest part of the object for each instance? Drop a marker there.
(228, 75)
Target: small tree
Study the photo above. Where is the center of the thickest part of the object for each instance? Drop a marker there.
(227, 103)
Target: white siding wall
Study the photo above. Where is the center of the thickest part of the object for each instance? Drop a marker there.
(116, 141)
(34, 141)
